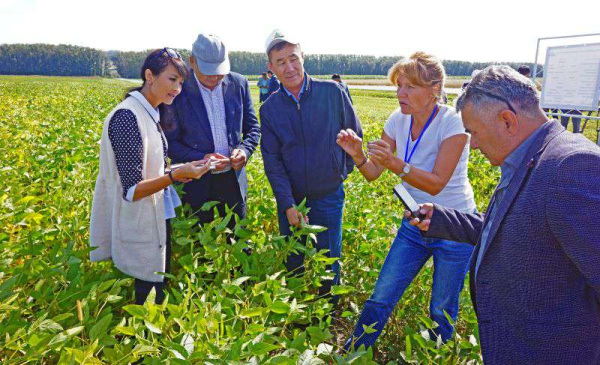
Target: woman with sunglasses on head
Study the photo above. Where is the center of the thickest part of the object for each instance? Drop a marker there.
(432, 158)
(133, 197)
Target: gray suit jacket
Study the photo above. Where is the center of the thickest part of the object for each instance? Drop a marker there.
(537, 292)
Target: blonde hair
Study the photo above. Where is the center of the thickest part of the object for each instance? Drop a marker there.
(421, 69)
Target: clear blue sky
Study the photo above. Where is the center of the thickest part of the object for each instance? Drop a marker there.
(458, 30)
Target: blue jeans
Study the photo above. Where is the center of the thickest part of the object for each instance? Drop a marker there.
(326, 212)
(409, 252)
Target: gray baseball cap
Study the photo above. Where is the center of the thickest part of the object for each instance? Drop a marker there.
(211, 55)
(277, 36)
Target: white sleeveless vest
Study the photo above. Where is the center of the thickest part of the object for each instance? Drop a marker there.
(133, 234)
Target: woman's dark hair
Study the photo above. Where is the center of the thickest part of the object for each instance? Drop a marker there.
(157, 61)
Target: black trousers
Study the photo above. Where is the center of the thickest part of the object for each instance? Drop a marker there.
(143, 288)
(224, 189)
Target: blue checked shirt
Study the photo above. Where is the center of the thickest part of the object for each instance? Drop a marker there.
(215, 109)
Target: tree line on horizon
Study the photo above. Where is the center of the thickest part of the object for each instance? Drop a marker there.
(45, 59)
(67, 60)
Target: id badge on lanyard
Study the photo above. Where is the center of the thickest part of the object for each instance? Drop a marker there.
(408, 157)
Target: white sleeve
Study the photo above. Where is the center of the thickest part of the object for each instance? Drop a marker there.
(390, 126)
(130, 193)
(452, 126)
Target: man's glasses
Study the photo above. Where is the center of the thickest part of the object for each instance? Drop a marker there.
(490, 95)
(170, 52)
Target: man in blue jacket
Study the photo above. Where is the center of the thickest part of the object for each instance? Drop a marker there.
(535, 272)
(273, 85)
(213, 117)
(299, 125)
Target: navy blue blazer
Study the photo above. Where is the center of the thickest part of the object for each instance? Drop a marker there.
(188, 132)
(537, 292)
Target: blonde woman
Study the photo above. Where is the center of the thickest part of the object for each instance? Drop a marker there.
(423, 142)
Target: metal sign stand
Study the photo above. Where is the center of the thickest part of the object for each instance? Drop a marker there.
(534, 75)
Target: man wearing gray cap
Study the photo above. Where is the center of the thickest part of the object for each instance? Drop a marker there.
(213, 117)
(299, 125)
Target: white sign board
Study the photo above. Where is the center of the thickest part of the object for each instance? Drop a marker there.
(572, 77)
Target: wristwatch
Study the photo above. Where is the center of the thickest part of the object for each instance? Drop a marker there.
(405, 170)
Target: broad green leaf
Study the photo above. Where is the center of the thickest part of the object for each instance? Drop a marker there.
(240, 281)
(262, 348)
(318, 335)
(152, 327)
(370, 328)
(342, 289)
(252, 312)
(50, 326)
(137, 311)
(100, 328)
(129, 331)
(74, 331)
(280, 307)
(5, 288)
(62, 317)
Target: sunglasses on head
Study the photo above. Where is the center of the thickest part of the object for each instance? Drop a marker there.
(490, 95)
(170, 52)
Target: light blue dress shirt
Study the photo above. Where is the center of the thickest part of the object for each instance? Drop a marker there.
(171, 198)
(301, 91)
(214, 103)
(508, 169)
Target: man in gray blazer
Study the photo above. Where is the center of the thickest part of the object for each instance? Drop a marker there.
(535, 271)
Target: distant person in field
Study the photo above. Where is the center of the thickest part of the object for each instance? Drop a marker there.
(564, 119)
(214, 117)
(424, 143)
(273, 86)
(465, 84)
(338, 78)
(263, 87)
(299, 125)
(524, 70)
(133, 198)
(535, 273)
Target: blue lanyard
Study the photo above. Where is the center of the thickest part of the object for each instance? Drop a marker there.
(407, 157)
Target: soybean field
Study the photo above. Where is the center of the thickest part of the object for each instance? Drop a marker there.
(222, 306)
